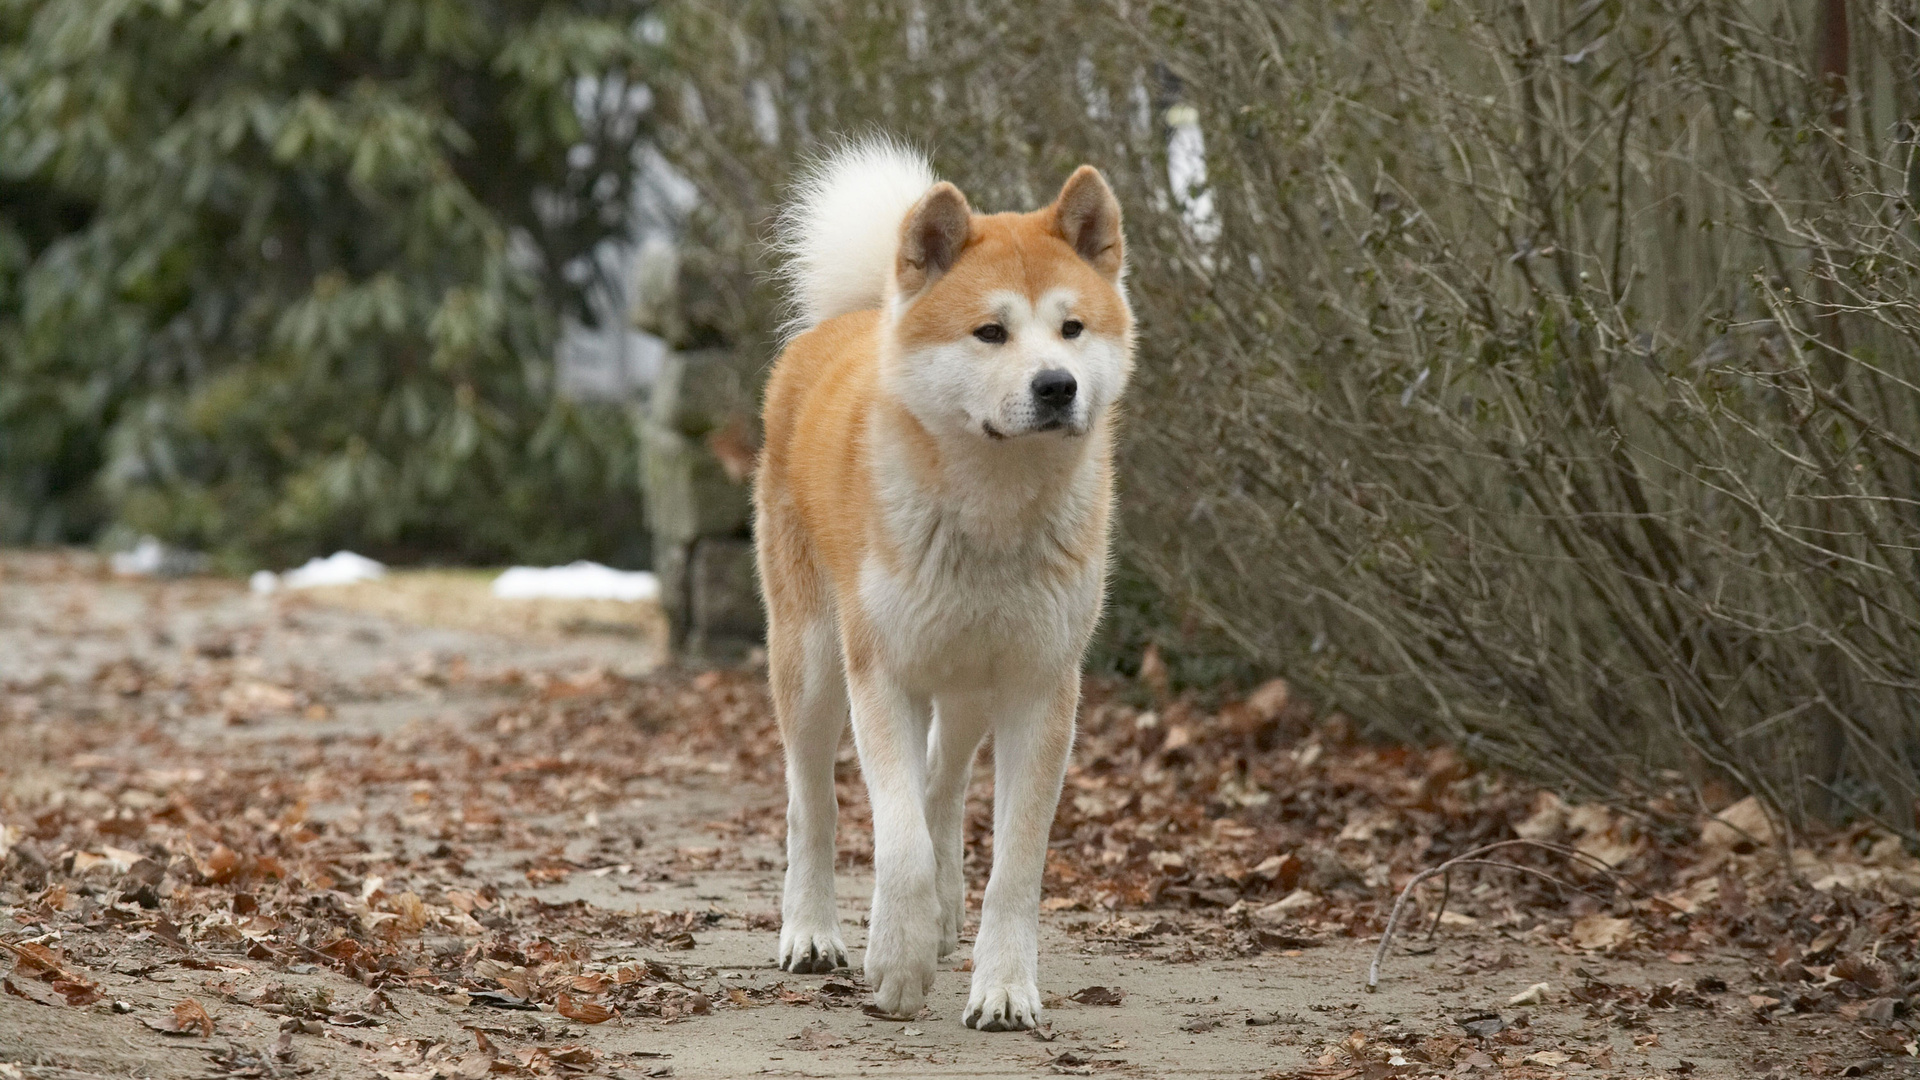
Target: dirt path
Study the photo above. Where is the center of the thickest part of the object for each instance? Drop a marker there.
(364, 846)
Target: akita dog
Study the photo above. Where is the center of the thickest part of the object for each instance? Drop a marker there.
(931, 515)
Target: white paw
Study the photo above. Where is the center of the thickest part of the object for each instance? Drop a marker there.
(811, 946)
(1009, 1006)
(901, 956)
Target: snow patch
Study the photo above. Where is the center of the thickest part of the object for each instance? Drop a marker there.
(576, 581)
(339, 568)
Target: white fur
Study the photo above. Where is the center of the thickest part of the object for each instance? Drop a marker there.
(982, 628)
(840, 232)
(972, 387)
(981, 623)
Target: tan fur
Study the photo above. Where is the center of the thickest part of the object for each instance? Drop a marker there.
(934, 554)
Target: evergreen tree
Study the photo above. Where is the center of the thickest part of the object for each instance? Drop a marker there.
(278, 276)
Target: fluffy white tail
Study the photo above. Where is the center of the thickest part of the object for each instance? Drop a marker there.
(841, 231)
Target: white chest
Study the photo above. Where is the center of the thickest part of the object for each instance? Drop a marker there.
(959, 611)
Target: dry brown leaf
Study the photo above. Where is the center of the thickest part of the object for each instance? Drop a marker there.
(572, 1054)
(77, 992)
(1602, 933)
(1269, 699)
(33, 991)
(35, 959)
(473, 1065)
(818, 1037)
(1099, 995)
(587, 1012)
(1153, 672)
(189, 1017)
(221, 866)
(1743, 826)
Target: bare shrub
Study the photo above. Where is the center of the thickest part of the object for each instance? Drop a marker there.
(1540, 375)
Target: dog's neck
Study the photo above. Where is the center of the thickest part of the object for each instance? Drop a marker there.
(1001, 494)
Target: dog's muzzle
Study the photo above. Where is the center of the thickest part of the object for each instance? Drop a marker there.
(1053, 392)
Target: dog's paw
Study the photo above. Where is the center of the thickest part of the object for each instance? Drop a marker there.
(900, 992)
(1003, 1006)
(809, 949)
(900, 960)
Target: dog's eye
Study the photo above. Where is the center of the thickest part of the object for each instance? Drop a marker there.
(992, 333)
(1071, 328)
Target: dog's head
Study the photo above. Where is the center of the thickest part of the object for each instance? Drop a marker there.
(1005, 326)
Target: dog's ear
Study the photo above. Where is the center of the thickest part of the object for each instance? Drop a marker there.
(932, 237)
(1087, 216)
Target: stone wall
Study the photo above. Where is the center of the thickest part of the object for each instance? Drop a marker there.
(696, 446)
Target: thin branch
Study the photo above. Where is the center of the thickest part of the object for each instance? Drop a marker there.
(1474, 858)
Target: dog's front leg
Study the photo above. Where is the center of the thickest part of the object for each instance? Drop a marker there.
(1030, 748)
(959, 723)
(903, 927)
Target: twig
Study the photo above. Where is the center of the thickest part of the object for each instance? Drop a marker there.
(1908, 835)
(1446, 893)
(1474, 858)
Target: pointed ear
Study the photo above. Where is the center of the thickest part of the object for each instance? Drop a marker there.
(1087, 217)
(932, 237)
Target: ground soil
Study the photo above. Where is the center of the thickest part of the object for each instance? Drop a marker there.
(364, 844)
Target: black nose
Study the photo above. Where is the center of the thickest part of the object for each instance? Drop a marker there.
(1054, 388)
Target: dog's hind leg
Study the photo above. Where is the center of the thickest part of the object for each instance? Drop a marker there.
(957, 730)
(1031, 742)
(809, 687)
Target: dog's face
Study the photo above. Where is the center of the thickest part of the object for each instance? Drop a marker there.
(1010, 326)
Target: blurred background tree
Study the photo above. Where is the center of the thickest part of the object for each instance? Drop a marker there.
(279, 276)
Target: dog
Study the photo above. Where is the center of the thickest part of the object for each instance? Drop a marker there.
(931, 531)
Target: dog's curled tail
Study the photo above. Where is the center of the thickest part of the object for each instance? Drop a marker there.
(840, 232)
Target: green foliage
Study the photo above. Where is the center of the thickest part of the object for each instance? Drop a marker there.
(283, 275)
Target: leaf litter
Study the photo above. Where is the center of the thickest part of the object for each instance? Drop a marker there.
(1187, 831)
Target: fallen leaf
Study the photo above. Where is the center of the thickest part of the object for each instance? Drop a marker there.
(1269, 699)
(474, 1065)
(1481, 1024)
(1290, 906)
(1741, 827)
(1099, 995)
(33, 991)
(1602, 932)
(1153, 672)
(587, 1012)
(818, 1037)
(77, 992)
(187, 1018)
(1547, 819)
(35, 959)
(572, 1054)
(1532, 995)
